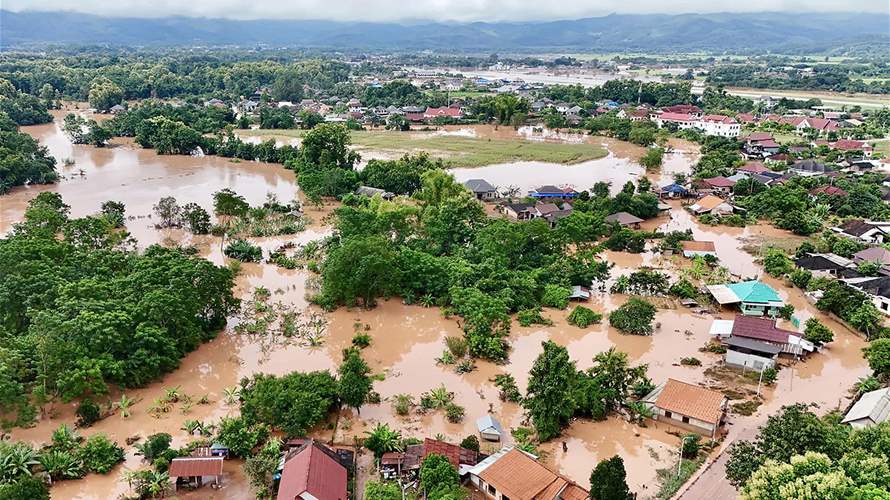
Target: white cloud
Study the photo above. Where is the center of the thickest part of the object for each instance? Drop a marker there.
(439, 10)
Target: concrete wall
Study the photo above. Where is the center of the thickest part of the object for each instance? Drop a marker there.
(751, 361)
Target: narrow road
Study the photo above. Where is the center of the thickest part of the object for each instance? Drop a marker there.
(710, 483)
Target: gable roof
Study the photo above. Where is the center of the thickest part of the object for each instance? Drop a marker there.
(753, 345)
(674, 188)
(874, 254)
(313, 469)
(857, 227)
(691, 400)
(822, 262)
(718, 119)
(517, 475)
(754, 327)
(874, 406)
(828, 190)
(454, 453)
(709, 203)
(478, 186)
(754, 167)
(195, 466)
(487, 423)
(719, 182)
(623, 218)
(754, 291)
(811, 166)
(676, 117)
(758, 136)
(698, 246)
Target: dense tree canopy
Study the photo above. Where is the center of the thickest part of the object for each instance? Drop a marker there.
(84, 313)
(22, 159)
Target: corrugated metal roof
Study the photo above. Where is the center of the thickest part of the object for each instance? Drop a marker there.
(723, 294)
(754, 345)
(315, 471)
(874, 405)
(759, 328)
(196, 466)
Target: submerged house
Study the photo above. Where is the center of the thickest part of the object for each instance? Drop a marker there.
(191, 471)
(871, 409)
(711, 205)
(624, 219)
(753, 297)
(698, 248)
(673, 191)
(876, 287)
(687, 406)
(823, 263)
(749, 353)
(512, 474)
(864, 230)
(761, 330)
(489, 428)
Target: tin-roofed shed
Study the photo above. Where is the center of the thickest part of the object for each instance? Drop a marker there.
(489, 428)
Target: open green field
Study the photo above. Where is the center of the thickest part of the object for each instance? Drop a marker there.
(458, 151)
(882, 147)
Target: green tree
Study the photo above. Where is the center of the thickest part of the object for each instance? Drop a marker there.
(360, 269)
(382, 440)
(104, 94)
(878, 355)
(548, 399)
(634, 316)
(375, 490)
(608, 481)
(438, 478)
(355, 382)
(816, 332)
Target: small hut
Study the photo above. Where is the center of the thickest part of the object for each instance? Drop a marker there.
(192, 470)
(489, 428)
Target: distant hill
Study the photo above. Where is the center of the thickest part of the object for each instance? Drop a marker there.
(776, 32)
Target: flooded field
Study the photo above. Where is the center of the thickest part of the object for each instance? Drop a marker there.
(406, 340)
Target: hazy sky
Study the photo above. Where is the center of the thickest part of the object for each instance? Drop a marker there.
(452, 10)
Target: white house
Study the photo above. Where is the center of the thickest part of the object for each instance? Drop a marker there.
(871, 409)
(719, 125)
(864, 230)
(687, 406)
(750, 353)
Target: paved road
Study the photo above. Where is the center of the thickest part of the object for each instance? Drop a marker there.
(711, 482)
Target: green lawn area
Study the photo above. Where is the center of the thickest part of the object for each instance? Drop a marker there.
(882, 147)
(458, 151)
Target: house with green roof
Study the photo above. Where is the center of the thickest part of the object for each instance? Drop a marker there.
(753, 297)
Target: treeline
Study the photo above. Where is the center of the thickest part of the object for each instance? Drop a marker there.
(160, 75)
(623, 91)
(81, 311)
(834, 77)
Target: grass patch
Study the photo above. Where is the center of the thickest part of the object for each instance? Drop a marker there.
(670, 483)
(458, 151)
(746, 408)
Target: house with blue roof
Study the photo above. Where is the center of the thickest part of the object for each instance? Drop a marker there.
(753, 297)
(674, 191)
(553, 192)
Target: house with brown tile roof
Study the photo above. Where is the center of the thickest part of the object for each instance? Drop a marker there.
(185, 470)
(687, 406)
(711, 204)
(516, 475)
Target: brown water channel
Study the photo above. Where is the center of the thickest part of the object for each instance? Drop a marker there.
(406, 339)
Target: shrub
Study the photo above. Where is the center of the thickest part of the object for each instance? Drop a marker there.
(583, 317)
(800, 278)
(776, 262)
(529, 317)
(154, 446)
(634, 316)
(470, 442)
(361, 340)
(402, 404)
(691, 361)
(457, 346)
(244, 251)
(683, 289)
(88, 413)
(691, 445)
(239, 437)
(556, 297)
(454, 413)
(100, 454)
(509, 391)
(786, 311)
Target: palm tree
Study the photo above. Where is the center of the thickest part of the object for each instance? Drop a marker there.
(172, 394)
(148, 483)
(382, 440)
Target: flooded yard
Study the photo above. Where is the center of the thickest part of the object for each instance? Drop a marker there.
(407, 339)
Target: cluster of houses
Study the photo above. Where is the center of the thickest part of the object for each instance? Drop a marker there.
(763, 146)
(872, 233)
(687, 116)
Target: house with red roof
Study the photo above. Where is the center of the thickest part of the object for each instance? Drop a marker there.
(804, 123)
(852, 145)
(765, 330)
(746, 118)
(715, 185)
(688, 109)
(454, 113)
(828, 191)
(313, 472)
(753, 167)
(681, 120)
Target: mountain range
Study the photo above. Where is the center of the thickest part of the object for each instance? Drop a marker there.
(780, 32)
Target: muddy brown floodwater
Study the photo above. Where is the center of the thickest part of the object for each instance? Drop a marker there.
(407, 339)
